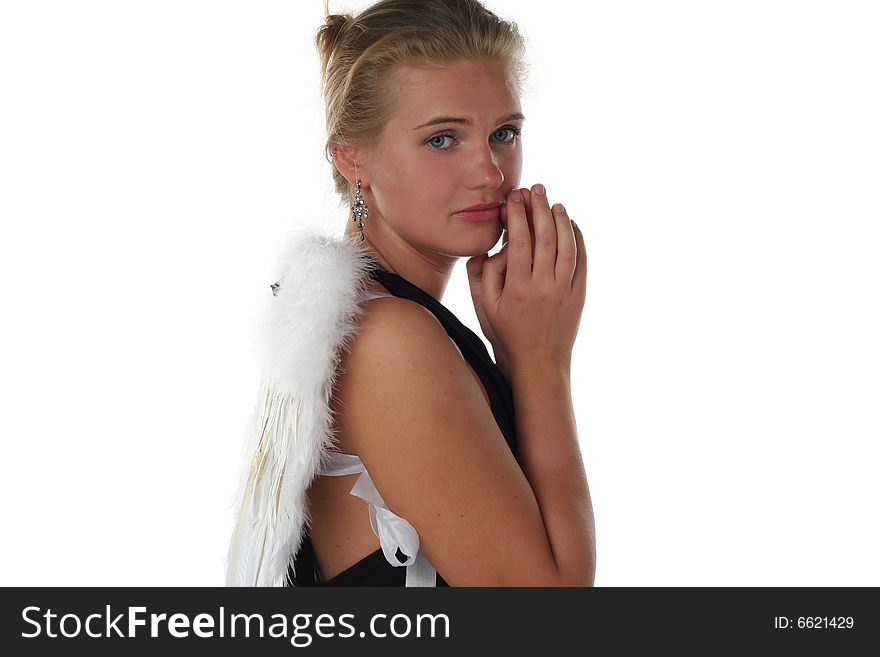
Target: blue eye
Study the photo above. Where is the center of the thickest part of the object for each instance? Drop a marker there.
(436, 142)
(515, 132)
(432, 141)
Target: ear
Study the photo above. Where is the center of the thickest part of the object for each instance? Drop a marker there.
(349, 161)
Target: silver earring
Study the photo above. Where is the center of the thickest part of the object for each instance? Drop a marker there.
(359, 210)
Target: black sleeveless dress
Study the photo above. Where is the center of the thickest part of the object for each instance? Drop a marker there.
(374, 569)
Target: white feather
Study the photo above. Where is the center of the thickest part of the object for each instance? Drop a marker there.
(302, 333)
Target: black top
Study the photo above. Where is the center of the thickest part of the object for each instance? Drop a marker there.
(374, 569)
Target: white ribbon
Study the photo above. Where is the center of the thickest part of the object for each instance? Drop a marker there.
(393, 531)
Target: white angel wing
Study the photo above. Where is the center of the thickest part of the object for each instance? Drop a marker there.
(271, 503)
(302, 332)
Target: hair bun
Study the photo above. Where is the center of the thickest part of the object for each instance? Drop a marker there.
(328, 37)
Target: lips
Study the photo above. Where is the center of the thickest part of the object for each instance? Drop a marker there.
(482, 206)
(485, 212)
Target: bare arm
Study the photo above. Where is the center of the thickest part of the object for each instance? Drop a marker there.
(413, 412)
(529, 298)
(551, 460)
(416, 416)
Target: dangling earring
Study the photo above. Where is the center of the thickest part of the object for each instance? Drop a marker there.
(359, 210)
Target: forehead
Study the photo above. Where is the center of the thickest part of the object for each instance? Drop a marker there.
(476, 89)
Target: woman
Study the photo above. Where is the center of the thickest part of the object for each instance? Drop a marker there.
(471, 468)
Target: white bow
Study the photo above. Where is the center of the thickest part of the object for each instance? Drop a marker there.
(393, 531)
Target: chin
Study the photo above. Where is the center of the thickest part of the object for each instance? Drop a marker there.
(484, 243)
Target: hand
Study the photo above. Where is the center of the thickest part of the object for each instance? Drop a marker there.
(530, 295)
(475, 280)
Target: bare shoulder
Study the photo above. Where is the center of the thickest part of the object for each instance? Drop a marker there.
(386, 320)
(386, 325)
(394, 334)
(409, 406)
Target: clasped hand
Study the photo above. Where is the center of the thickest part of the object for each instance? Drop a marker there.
(530, 295)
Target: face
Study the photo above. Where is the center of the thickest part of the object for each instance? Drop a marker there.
(452, 143)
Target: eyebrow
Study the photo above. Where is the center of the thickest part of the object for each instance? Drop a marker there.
(454, 119)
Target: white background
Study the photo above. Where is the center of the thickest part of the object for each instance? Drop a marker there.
(723, 159)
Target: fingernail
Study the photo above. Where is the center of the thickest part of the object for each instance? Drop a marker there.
(539, 189)
(559, 208)
(516, 196)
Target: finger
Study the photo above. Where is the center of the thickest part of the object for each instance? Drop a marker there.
(493, 279)
(579, 278)
(566, 246)
(519, 248)
(475, 270)
(527, 199)
(545, 233)
(502, 217)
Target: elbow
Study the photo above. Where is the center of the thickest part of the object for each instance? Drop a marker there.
(585, 579)
(552, 577)
(582, 576)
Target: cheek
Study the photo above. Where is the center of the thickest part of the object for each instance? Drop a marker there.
(432, 177)
(412, 168)
(407, 186)
(513, 163)
(511, 166)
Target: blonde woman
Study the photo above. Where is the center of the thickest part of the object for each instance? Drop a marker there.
(436, 465)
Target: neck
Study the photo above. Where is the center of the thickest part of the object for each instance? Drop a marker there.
(428, 271)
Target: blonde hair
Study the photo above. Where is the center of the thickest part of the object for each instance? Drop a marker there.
(357, 53)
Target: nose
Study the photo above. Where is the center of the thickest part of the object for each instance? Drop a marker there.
(486, 172)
